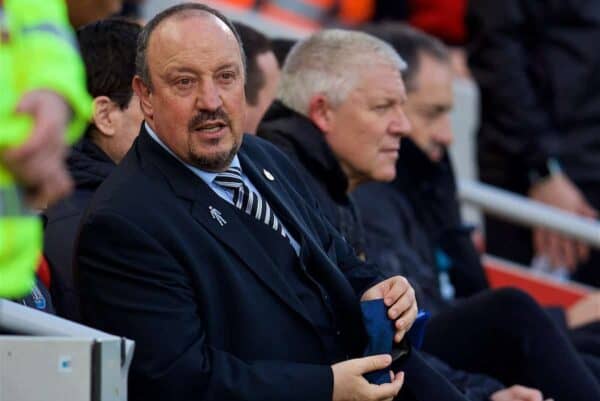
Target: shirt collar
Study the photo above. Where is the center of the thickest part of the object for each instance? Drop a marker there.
(206, 176)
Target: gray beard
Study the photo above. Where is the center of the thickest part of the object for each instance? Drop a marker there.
(216, 163)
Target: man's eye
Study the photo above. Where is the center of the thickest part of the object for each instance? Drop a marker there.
(184, 82)
(227, 76)
(433, 114)
(382, 106)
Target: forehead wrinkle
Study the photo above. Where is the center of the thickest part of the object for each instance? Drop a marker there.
(171, 40)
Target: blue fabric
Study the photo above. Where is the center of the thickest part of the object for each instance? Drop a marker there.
(381, 330)
(416, 334)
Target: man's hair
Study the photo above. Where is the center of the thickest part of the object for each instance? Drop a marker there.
(108, 51)
(254, 44)
(330, 63)
(282, 47)
(180, 10)
(410, 43)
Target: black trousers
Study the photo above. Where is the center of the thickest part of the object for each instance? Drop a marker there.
(424, 381)
(506, 335)
(587, 338)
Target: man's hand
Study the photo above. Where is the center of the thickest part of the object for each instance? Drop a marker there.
(350, 385)
(38, 165)
(585, 311)
(518, 393)
(399, 297)
(560, 192)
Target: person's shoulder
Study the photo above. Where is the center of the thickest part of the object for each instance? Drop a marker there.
(380, 199)
(255, 144)
(263, 152)
(131, 191)
(68, 208)
(375, 189)
(267, 155)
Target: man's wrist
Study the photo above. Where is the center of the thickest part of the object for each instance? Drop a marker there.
(544, 171)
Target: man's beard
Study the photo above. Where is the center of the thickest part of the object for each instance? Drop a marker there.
(216, 162)
(219, 161)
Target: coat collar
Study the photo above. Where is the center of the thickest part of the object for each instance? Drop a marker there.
(309, 146)
(232, 234)
(88, 164)
(414, 169)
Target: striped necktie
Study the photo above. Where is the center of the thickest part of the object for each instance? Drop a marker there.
(248, 201)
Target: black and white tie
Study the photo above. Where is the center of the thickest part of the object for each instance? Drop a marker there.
(248, 201)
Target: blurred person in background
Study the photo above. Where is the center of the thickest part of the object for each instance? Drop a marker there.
(538, 67)
(262, 74)
(43, 105)
(311, 14)
(443, 19)
(108, 50)
(414, 227)
(281, 48)
(82, 12)
(339, 116)
(132, 10)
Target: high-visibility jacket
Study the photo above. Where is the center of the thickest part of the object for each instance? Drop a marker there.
(312, 13)
(38, 50)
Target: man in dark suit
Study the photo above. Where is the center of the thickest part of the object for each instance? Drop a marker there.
(212, 255)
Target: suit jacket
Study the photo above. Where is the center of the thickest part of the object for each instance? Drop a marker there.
(211, 315)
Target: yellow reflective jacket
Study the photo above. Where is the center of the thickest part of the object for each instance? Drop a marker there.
(38, 50)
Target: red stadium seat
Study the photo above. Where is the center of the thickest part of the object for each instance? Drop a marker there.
(546, 290)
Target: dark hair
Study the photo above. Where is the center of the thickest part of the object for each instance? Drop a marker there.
(281, 48)
(141, 63)
(255, 44)
(108, 52)
(410, 43)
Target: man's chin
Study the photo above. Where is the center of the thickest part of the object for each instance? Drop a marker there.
(435, 156)
(216, 161)
(384, 176)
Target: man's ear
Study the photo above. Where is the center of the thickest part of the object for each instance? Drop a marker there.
(144, 94)
(103, 118)
(320, 113)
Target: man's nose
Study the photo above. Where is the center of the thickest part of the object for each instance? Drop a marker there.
(400, 124)
(209, 96)
(444, 135)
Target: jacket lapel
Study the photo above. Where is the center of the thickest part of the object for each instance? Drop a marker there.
(227, 227)
(272, 190)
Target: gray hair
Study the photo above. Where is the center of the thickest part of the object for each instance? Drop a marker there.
(410, 43)
(183, 9)
(330, 62)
